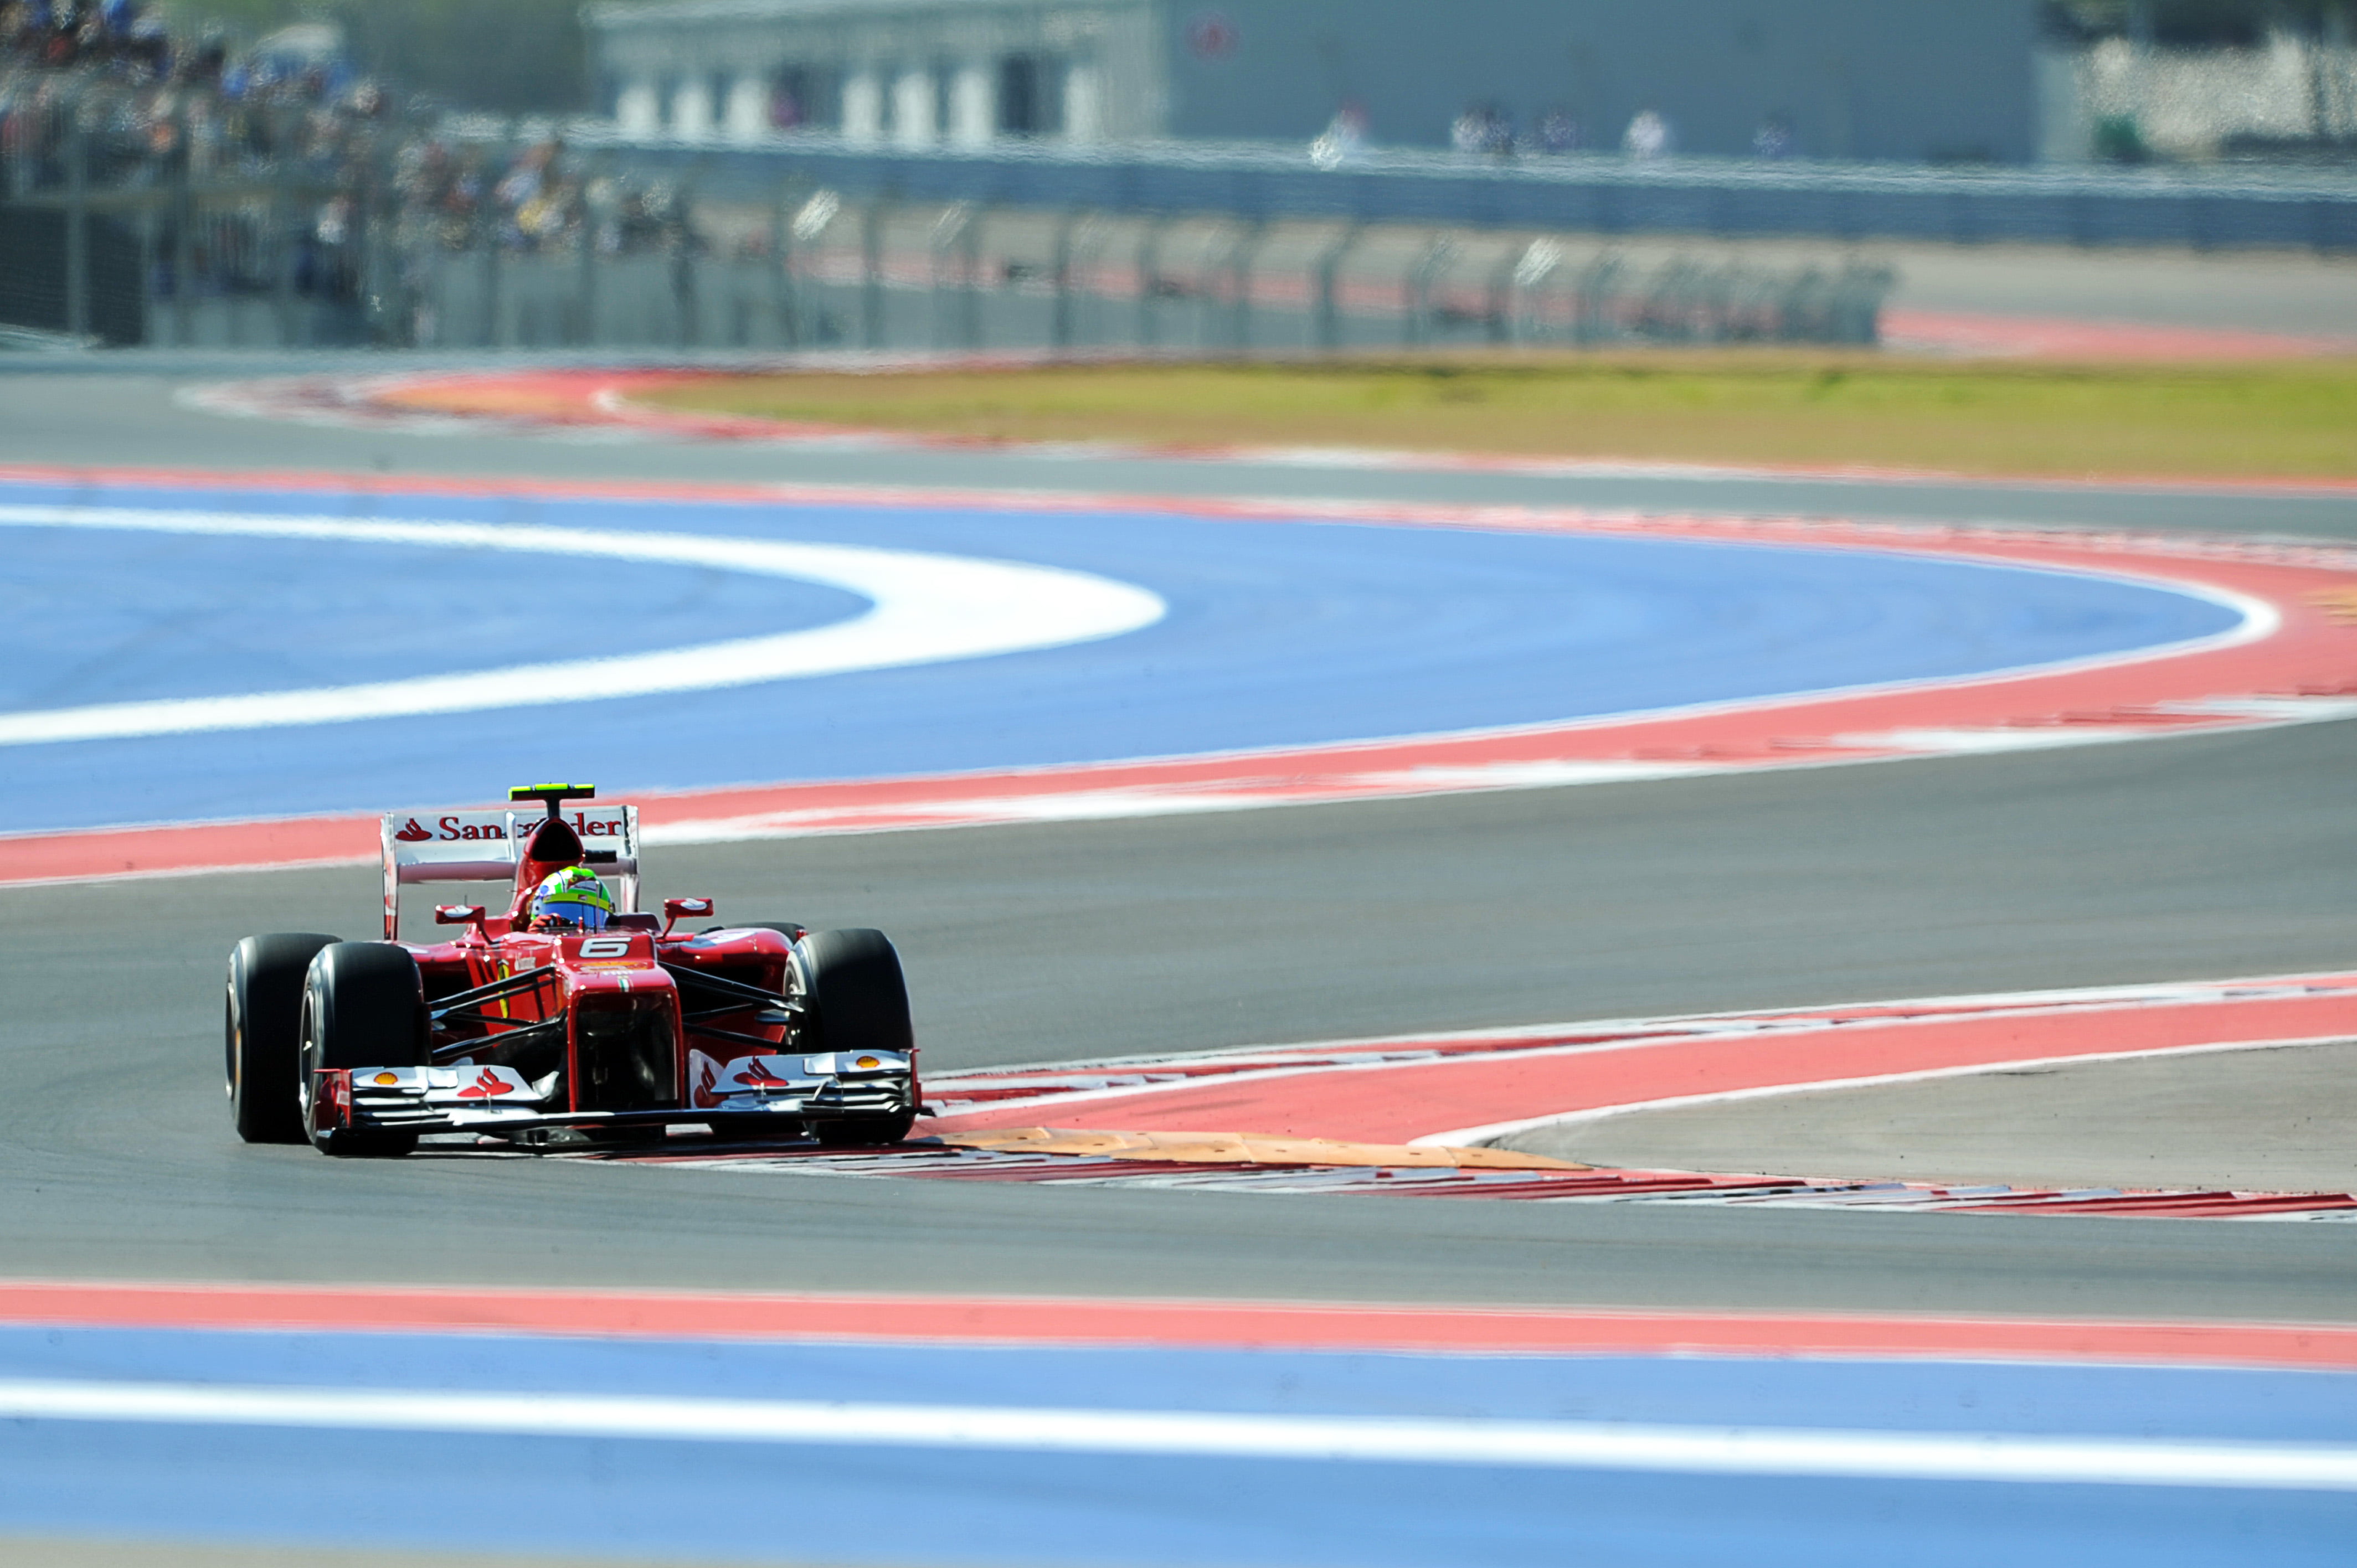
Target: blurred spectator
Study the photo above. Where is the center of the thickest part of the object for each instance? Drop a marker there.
(1467, 132)
(1344, 138)
(1558, 131)
(1774, 137)
(1649, 135)
(1483, 128)
(152, 102)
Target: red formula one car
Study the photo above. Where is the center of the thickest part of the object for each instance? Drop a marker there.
(543, 1031)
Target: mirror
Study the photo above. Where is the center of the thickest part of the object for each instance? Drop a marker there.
(674, 908)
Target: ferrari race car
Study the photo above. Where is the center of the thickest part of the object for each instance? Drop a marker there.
(542, 1032)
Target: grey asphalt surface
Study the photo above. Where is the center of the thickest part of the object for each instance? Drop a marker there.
(2196, 857)
(2266, 1121)
(2285, 292)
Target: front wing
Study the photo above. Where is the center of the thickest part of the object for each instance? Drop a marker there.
(765, 1095)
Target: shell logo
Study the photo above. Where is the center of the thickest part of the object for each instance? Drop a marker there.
(388, 1078)
(867, 1062)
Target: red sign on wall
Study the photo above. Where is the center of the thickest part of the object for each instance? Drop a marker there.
(1212, 36)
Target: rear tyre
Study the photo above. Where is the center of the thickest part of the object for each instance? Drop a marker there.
(261, 1033)
(853, 982)
(363, 1005)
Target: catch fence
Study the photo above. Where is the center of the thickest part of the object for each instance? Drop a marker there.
(819, 272)
(190, 221)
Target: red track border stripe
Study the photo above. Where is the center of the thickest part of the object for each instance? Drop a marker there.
(1171, 1323)
(2309, 652)
(1399, 1101)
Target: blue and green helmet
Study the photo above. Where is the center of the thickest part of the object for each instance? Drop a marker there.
(572, 899)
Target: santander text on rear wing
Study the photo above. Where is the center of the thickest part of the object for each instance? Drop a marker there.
(482, 845)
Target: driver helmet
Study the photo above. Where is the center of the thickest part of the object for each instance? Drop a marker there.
(572, 899)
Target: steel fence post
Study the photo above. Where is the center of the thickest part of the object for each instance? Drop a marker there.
(1059, 320)
(970, 277)
(1328, 325)
(686, 302)
(871, 273)
(1593, 320)
(1417, 329)
(941, 259)
(184, 229)
(77, 220)
(289, 225)
(1149, 278)
(1498, 308)
(585, 280)
(782, 278)
(1240, 279)
(487, 235)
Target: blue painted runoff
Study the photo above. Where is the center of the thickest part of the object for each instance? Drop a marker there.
(844, 1503)
(1279, 633)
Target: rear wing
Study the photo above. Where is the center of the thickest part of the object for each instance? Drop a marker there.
(481, 846)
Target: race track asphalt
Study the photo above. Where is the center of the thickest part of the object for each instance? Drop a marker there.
(2197, 857)
(2269, 1121)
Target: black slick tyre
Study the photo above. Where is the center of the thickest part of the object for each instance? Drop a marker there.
(864, 1132)
(852, 981)
(261, 1033)
(363, 1005)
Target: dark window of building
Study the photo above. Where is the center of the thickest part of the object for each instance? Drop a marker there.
(1018, 96)
(805, 97)
(1029, 103)
(2183, 24)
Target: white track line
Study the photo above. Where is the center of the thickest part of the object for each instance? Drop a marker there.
(1465, 1137)
(923, 608)
(1714, 1450)
(1633, 1035)
(1804, 1016)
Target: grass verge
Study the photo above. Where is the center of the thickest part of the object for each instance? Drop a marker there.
(2292, 418)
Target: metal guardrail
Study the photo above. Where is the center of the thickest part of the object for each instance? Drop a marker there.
(1593, 193)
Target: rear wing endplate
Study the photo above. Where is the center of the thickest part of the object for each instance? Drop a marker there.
(480, 846)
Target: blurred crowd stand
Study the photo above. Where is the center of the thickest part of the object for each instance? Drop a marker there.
(157, 187)
(169, 190)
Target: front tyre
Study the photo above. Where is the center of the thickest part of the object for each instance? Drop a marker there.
(865, 1132)
(363, 1005)
(261, 1033)
(852, 982)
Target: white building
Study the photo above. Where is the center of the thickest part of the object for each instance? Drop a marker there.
(2195, 103)
(908, 73)
(1904, 79)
